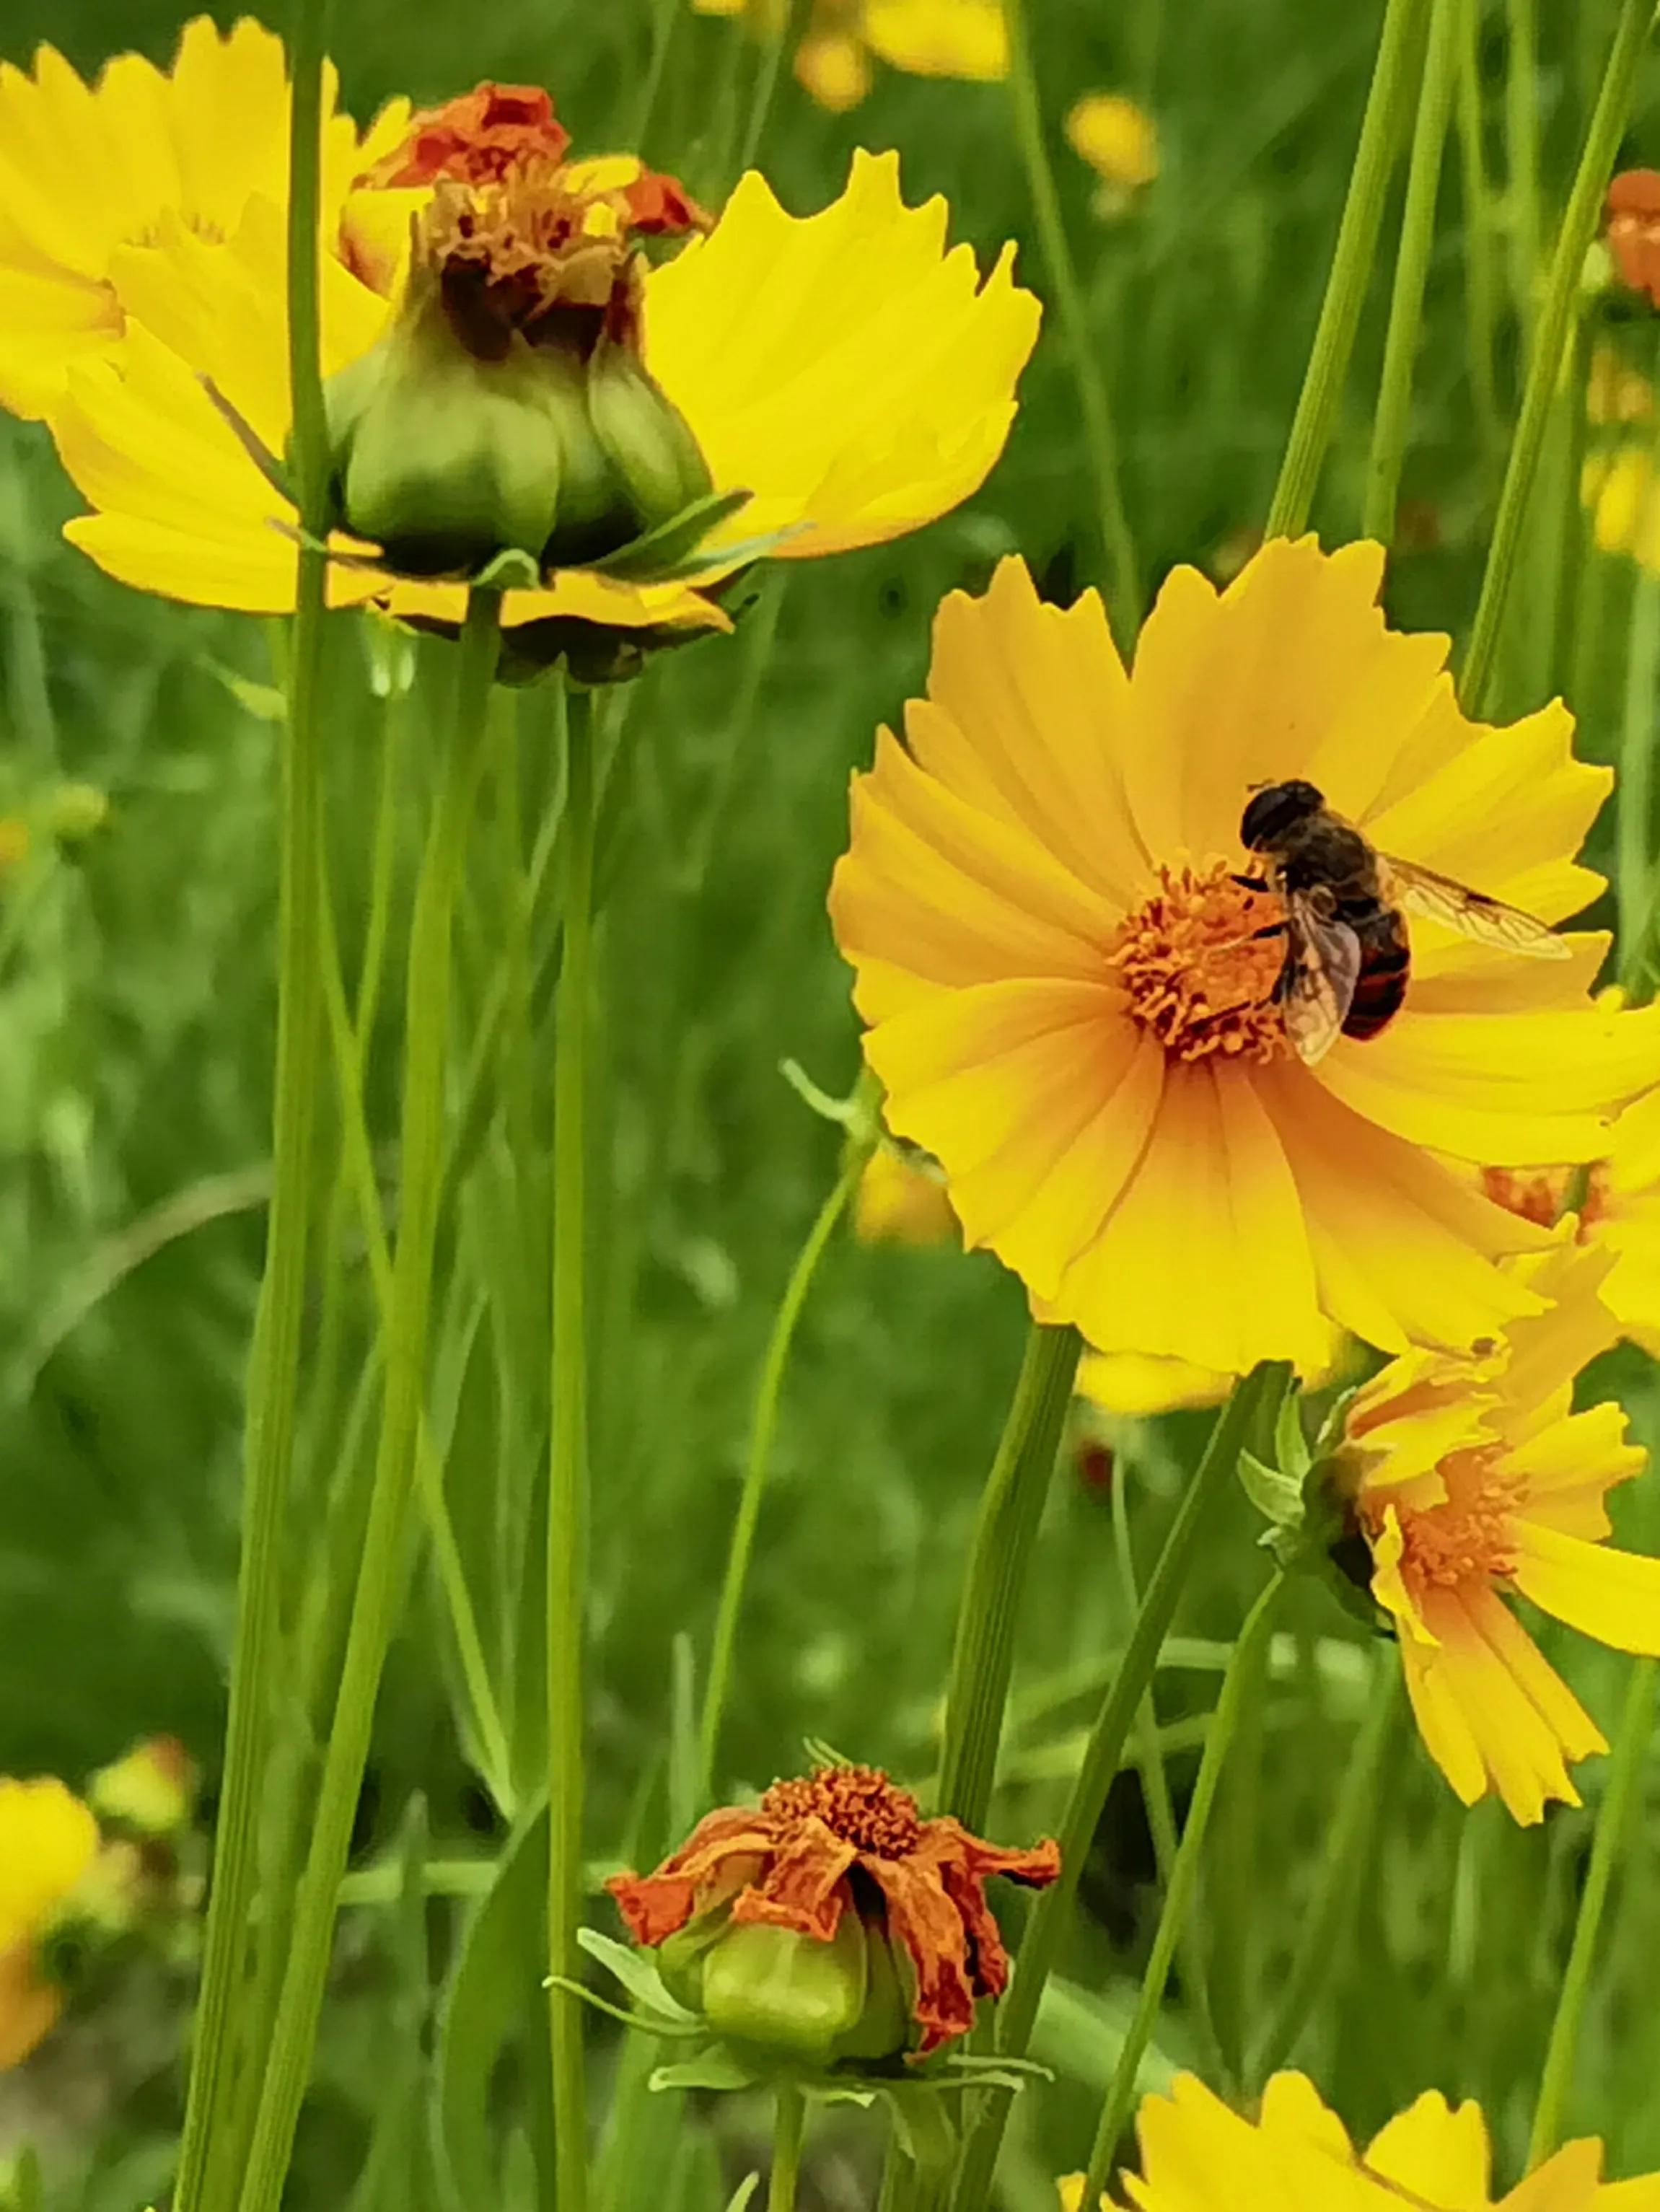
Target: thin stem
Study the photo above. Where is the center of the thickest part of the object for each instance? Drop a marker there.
(1636, 780)
(1248, 1655)
(1094, 403)
(1569, 541)
(1550, 339)
(766, 84)
(789, 2129)
(665, 14)
(568, 1468)
(1331, 1911)
(1480, 278)
(1389, 427)
(1613, 1823)
(763, 1426)
(382, 1566)
(1004, 1531)
(1522, 151)
(1253, 1398)
(273, 1370)
(1381, 130)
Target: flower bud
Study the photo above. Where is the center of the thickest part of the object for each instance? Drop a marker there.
(76, 811)
(786, 1991)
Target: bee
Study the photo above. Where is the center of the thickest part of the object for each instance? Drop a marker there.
(1347, 953)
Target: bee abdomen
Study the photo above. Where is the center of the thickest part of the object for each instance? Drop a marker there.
(1385, 968)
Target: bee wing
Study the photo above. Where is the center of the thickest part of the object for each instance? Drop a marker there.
(1472, 914)
(1321, 975)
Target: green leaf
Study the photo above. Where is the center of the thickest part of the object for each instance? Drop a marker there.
(265, 702)
(717, 2067)
(1292, 1447)
(494, 1989)
(637, 1969)
(511, 570)
(659, 553)
(1278, 1497)
(649, 2023)
(741, 2196)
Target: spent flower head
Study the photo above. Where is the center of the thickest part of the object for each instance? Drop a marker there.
(831, 1921)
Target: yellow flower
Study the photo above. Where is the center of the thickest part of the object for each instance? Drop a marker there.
(1196, 2156)
(89, 173)
(1472, 1477)
(963, 39)
(1068, 1003)
(48, 1842)
(901, 1200)
(1119, 141)
(845, 370)
(1140, 1384)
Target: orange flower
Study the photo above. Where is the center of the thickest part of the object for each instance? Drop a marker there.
(1634, 229)
(846, 1842)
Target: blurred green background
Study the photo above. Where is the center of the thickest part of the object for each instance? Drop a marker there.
(136, 1011)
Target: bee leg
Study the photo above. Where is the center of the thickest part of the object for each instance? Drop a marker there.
(1251, 883)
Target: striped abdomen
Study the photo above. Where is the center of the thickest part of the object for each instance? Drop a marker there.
(1385, 966)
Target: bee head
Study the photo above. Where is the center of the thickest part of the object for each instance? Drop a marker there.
(1275, 810)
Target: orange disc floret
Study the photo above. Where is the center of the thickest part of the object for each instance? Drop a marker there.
(478, 138)
(792, 1863)
(1634, 229)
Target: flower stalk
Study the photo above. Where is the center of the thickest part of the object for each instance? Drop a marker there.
(789, 2129)
(381, 1569)
(567, 1463)
(273, 1370)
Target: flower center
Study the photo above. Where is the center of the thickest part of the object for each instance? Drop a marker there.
(1198, 973)
(858, 1803)
(1466, 1537)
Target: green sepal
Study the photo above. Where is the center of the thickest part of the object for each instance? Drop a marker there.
(637, 1972)
(716, 2068)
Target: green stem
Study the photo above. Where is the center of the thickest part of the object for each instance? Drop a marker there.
(1550, 339)
(763, 1427)
(665, 14)
(1094, 404)
(1004, 1531)
(1613, 1824)
(1636, 780)
(766, 84)
(1247, 1656)
(1389, 427)
(381, 1570)
(1480, 279)
(789, 2129)
(1569, 539)
(1381, 131)
(273, 1371)
(1330, 1913)
(1522, 152)
(568, 1468)
(1253, 1398)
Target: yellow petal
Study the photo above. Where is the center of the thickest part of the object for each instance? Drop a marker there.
(844, 369)
(572, 594)
(1567, 2182)
(47, 1841)
(1569, 1465)
(1437, 2151)
(1612, 1595)
(1141, 1383)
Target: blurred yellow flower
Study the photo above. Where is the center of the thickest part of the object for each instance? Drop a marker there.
(15, 840)
(1614, 391)
(963, 39)
(87, 173)
(48, 1842)
(1140, 1384)
(1120, 141)
(845, 370)
(1069, 1003)
(902, 1200)
(1297, 2156)
(1471, 1478)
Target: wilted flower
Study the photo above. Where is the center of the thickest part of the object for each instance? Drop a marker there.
(1120, 141)
(48, 1846)
(831, 1921)
(1633, 230)
(1297, 2156)
(902, 1200)
(1071, 1003)
(839, 380)
(1471, 1478)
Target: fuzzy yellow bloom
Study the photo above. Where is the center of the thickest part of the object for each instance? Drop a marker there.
(1297, 2156)
(1471, 1478)
(1120, 141)
(963, 39)
(48, 1842)
(1070, 1001)
(847, 371)
(902, 1200)
(1140, 1384)
(89, 174)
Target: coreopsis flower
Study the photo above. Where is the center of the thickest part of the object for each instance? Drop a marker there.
(1140, 1384)
(902, 1200)
(1633, 230)
(924, 38)
(48, 1846)
(520, 377)
(89, 174)
(1120, 140)
(831, 1920)
(150, 1791)
(1076, 1004)
(1297, 2156)
(1471, 1479)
